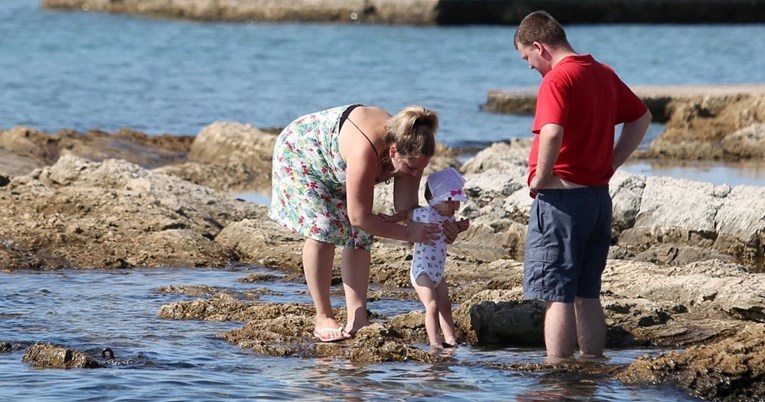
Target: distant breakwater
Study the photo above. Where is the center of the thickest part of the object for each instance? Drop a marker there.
(433, 12)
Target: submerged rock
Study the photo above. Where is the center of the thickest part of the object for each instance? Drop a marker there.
(50, 356)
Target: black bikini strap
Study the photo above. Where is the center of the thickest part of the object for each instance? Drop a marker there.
(365, 136)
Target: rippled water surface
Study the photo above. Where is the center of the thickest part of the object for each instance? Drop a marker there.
(103, 71)
(161, 359)
(79, 70)
(95, 70)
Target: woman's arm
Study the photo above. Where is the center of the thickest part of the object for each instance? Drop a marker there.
(360, 196)
(405, 192)
(361, 171)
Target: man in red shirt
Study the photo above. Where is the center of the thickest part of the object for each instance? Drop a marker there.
(572, 158)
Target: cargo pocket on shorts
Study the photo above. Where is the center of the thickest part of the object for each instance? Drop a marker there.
(539, 272)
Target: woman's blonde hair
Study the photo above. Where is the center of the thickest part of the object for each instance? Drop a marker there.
(413, 130)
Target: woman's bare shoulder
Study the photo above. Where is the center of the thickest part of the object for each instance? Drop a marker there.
(372, 113)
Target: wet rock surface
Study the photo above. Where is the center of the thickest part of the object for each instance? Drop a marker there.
(79, 213)
(727, 127)
(50, 356)
(228, 156)
(682, 272)
(729, 369)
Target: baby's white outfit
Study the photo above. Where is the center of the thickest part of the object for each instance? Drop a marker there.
(427, 259)
(444, 185)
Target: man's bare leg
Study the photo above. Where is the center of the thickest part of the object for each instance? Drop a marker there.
(560, 329)
(591, 326)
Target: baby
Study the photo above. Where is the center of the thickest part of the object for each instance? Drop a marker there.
(444, 192)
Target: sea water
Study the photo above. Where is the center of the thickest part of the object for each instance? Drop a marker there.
(102, 71)
(162, 360)
(84, 71)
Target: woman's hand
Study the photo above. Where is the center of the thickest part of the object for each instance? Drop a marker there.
(453, 229)
(426, 233)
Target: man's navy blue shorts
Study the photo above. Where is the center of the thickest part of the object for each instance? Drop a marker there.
(567, 244)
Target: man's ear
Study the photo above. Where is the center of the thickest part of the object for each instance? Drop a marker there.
(539, 47)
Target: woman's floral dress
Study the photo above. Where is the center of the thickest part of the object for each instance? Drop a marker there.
(308, 194)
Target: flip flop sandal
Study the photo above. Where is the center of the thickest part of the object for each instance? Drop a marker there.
(321, 334)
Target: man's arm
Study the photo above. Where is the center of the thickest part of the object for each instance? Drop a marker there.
(630, 138)
(550, 140)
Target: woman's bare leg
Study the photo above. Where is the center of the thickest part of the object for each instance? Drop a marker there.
(317, 266)
(355, 271)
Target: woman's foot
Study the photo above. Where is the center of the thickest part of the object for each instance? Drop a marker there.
(330, 334)
(329, 330)
(352, 328)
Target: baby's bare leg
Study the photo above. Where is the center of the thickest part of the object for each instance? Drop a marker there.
(445, 313)
(425, 290)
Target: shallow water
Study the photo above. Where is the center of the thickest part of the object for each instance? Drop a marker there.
(103, 71)
(183, 360)
(750, 173)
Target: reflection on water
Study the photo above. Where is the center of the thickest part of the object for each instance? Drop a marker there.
(184, 360)
(732, 173)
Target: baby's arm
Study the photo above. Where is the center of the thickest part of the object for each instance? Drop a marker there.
(453, 227)
(463, 224)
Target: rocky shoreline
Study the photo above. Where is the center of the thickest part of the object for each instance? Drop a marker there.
(432, 12)
(685, 270)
